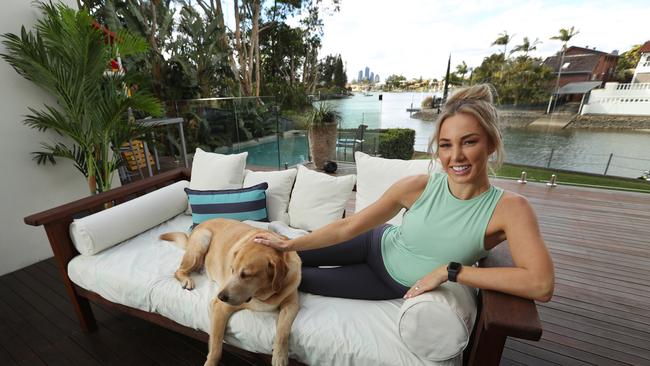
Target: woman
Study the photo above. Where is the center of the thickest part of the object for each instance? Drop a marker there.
(453, 219)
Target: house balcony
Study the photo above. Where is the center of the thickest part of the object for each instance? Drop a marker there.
(620, 99)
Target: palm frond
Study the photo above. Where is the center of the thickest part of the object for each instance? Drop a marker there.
(59, 150)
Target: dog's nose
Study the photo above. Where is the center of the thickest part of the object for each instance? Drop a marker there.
(223, 296)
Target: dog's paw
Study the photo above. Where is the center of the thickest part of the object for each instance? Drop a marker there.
(188, 284)
(280, 357)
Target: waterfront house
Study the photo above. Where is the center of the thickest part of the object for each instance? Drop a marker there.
(581, 69)
(583, 64)
(624, 98)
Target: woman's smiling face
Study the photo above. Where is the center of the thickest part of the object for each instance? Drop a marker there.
(464, 148)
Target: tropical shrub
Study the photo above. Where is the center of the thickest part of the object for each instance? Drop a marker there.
(67, 55)
(397, 143)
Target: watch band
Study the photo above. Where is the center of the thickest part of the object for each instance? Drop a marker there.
(453, 269)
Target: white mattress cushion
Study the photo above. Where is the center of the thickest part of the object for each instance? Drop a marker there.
(327, 331)
(102, 230)
(318, 199)
(278, 193)
(373, 178)
(446, 315)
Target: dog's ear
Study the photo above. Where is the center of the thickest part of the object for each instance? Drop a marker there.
(278, 267)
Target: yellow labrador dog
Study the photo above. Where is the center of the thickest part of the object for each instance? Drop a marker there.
(250, 276)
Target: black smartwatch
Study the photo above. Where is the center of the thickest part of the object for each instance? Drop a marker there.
(453, 269)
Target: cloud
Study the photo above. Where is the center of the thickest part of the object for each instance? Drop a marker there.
(414, 38)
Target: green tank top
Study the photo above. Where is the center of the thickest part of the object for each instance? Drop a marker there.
(438, 228)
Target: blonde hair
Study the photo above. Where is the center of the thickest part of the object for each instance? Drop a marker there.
(476, 101)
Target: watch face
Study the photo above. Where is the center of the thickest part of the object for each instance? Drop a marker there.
(454, 266)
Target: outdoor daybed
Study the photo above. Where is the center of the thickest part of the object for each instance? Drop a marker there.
(113, 257)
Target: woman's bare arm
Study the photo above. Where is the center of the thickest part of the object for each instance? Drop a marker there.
(398, 196)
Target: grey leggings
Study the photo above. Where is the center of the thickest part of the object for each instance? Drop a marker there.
(361, 275)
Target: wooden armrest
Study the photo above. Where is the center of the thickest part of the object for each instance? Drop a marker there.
(81, 205)
(512, 315)
(500, 316)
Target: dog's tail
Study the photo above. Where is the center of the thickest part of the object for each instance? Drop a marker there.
(178, 239)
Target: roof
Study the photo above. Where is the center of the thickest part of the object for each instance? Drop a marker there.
(583, 50)
(645, 48)
(581, 87)
(577, 64)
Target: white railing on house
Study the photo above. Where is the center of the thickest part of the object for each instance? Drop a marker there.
(633, 86)
(619, 99)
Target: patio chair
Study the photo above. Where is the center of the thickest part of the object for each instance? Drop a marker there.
(358, 140)
(136, 156)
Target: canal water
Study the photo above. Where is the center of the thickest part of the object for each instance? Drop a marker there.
(571, 149)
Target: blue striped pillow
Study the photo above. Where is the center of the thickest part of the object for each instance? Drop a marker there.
(237, 204)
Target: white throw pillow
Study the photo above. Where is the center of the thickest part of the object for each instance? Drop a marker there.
(436, 325)
(212, 171)
(318, 199)
(375, 175)
(104, 229)
(278, 193)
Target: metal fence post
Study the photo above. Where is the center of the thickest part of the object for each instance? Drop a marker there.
(548, 164)
(608, 161)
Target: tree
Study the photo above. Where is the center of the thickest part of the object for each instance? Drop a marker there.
(152, 20)
(564, 36)
(394, 81)
(326, 70)
(67, 56)
(526, 46)
(462, 70)
(340, 79)
(490, 70)
(627, 62)
(197, 50)
(516, 81)
(503, 40)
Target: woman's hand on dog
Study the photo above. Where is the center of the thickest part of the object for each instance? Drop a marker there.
(273, 241)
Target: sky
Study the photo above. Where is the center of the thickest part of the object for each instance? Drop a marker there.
(415, 37)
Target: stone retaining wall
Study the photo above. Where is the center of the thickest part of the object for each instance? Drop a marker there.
(508, 118)
(522, 118)
(604, 121)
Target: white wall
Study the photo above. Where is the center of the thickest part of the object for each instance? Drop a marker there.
(619, 99)
(26, 188)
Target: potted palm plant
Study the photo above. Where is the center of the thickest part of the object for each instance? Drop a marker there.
(322, 129)
(68, 55)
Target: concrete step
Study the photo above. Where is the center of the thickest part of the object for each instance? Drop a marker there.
(556, 120)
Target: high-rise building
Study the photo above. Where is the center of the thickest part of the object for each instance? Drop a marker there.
(360, 76)
(377, 78)
(372, 77)
(367, 74)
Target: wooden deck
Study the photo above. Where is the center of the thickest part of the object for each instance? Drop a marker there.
(600, 314)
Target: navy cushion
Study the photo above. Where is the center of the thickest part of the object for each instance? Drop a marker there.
(237, 204)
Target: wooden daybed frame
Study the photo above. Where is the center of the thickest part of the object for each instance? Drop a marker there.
(500, 315)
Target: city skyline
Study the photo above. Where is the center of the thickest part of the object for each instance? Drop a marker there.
(366, 74)
(415, 40)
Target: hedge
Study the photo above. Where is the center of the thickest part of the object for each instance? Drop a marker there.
(397, 143)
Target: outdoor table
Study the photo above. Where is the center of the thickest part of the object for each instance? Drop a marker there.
(155, 122)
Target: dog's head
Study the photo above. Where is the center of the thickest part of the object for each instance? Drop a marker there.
(257, 272)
